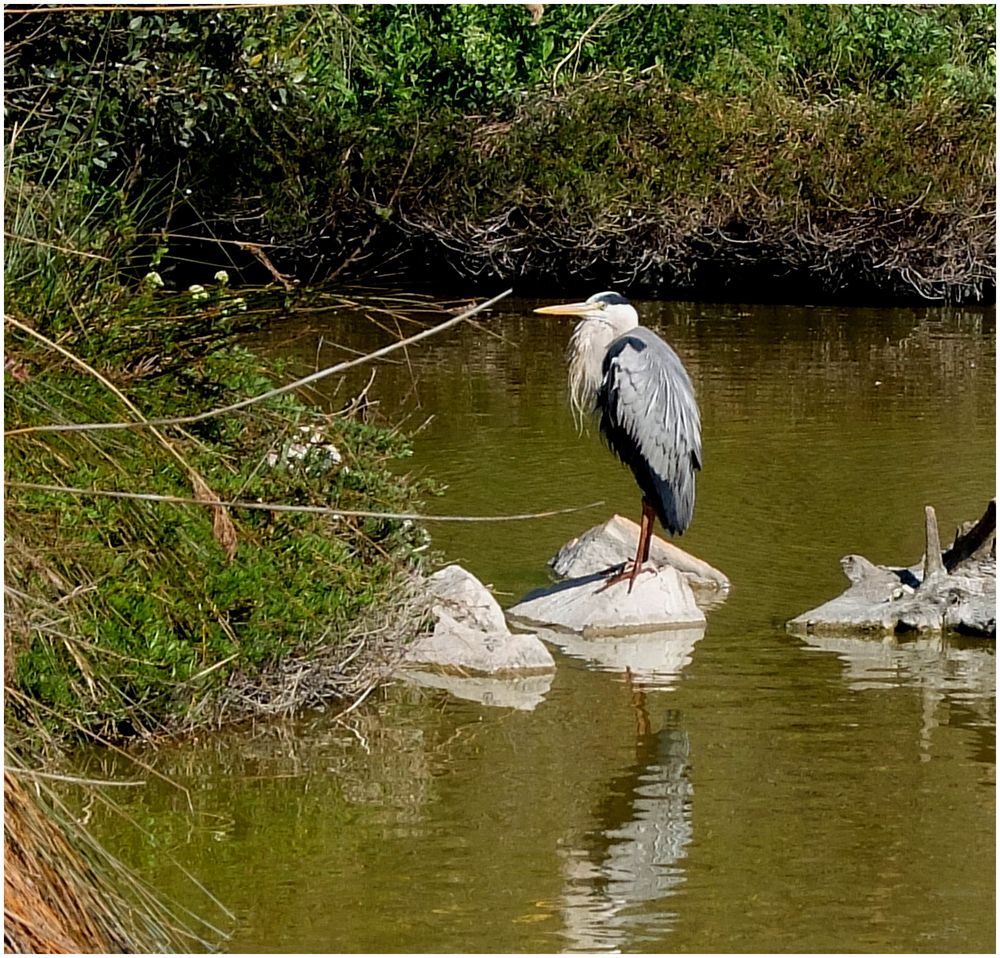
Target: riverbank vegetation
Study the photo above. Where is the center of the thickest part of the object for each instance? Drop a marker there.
(820, 150)
(125, 615)
(839, 150)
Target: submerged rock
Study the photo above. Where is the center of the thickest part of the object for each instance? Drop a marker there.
(660, 599)
(470, 633)
(953, 590)
(613, 543)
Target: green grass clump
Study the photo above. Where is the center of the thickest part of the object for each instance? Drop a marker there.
(125, 615)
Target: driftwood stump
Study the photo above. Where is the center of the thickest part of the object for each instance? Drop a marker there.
(954, 589)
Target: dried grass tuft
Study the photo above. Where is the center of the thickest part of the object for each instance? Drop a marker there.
(331, 669)
(63, 893)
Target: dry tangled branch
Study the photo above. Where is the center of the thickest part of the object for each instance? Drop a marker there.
(329, 669)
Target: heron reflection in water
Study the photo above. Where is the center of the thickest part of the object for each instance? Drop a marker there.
(638, 386)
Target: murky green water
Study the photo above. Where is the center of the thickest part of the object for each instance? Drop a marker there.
(748, 790)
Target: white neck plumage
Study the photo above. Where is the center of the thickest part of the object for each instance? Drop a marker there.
(585, 357)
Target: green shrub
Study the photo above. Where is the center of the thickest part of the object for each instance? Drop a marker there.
(126, 613)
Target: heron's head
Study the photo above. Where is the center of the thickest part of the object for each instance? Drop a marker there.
(610, 309)
(603, 318)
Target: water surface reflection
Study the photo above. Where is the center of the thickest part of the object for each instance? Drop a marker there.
(635, 858)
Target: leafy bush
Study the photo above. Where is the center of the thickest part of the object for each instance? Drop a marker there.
(124, 614)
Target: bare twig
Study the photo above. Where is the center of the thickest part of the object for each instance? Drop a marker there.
(72, 779)
(58, 249)
(390, 206)
(315, 510)
(578, 46)
(270, 394)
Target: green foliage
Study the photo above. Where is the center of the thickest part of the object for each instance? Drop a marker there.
(678, 148)
(121, 124)
(148, 118)
(180, 80)
(477, 59)
(135, 611)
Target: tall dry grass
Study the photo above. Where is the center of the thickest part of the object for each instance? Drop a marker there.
(64, 893)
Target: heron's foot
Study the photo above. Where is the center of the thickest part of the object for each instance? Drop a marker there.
(630, 570)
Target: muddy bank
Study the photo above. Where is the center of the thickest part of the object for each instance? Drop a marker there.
(872, 257)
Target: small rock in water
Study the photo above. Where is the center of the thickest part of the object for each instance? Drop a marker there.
(470, 633)
(660, 599)
(613, 542)
(466, 599)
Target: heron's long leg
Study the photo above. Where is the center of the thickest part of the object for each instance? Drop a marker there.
(641, 551)
(646, 529)
(645, 537)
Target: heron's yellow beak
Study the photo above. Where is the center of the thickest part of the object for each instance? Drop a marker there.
(567, 309)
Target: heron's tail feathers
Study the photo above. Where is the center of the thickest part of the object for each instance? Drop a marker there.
(673, 499)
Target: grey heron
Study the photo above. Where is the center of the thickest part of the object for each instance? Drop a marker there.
(638, 386)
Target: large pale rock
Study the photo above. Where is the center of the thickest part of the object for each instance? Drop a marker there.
(614, 542)
(660, 599)
(470, 633)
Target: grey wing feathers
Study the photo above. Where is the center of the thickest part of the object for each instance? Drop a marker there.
(650, 418)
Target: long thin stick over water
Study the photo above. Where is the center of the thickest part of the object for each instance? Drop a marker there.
(278, 507)
(298, 384)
